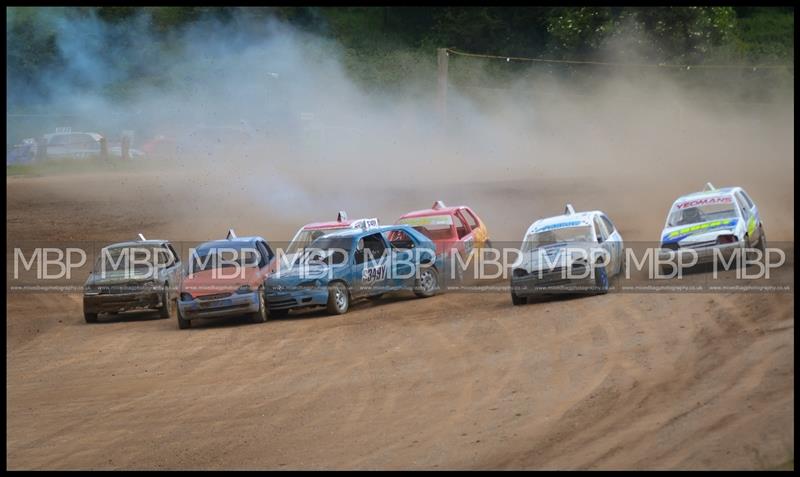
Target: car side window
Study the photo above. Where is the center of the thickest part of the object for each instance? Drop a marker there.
(59, 140)
(742, 205)
(165, 258)
(602, 234)
(175, 257)
(265, 254)
(399, 239)
(609, 225)
(461, 227)
(374, 248)
(471, 219)
(747, 200)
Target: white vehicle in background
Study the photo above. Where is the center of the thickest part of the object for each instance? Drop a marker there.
(83, 145)
(700, 223)
(310, 232)
(72, 145)
(569, 253)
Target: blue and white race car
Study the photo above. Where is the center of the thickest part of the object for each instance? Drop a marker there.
(569, 253)
(340, 267)
(714, 222)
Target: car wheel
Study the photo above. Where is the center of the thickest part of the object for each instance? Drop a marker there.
(90, 317)
(601, 279)
(182, 323)
(427, 284)
(518, 300)
(338, 299)
(168, 308)
(762, 241)
(260, 316)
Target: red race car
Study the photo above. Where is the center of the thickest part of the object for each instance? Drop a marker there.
(451, 228)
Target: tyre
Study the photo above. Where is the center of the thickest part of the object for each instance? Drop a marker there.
(338, 299)
(620, 273)
(168, 306)
(260, 316)
(427, 284)
(90, 317)
(762, 241)
(601, 279)
(518, 300)
(182, 323)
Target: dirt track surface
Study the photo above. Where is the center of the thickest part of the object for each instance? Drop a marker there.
(454, 381)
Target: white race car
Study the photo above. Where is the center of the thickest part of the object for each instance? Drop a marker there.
(577, 251)
(710, 223)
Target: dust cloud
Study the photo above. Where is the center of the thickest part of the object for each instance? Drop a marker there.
(315, 141)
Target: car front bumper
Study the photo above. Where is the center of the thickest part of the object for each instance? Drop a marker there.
(297, 298)
(118, 302)
(685, 255)
(233, 304)
(556, 281)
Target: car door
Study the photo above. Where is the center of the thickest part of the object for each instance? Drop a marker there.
(465, 233)
(401, 258)
(479, 233)
(370, 266)
(616, 243)
(605, 243)
(174, 270)
(750, 215)
(57, 146)
(267, 258)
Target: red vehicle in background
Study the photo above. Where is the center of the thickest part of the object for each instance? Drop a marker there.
(455, 229)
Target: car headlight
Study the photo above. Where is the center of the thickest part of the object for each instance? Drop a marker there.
(309, 284)
(244, 289)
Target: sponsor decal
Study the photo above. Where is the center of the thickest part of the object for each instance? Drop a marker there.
(679, 234)
(373, 274)
(430, 220)
(751, 226)
(720, 199)
(572, 223)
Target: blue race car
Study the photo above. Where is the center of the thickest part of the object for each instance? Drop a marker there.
(343, 266)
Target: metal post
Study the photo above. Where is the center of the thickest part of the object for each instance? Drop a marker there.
(441, 89)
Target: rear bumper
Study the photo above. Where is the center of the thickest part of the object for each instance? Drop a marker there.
(232, 305)
(117, 302)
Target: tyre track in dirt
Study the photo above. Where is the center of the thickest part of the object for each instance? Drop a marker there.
(461, 380)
